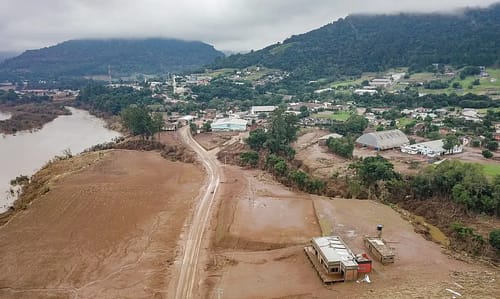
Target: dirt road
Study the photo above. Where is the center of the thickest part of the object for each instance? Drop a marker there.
(189, 266)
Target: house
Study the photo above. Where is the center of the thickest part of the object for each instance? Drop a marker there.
(262, 109)
(383, 140)
(229, 124)
(380, 82)
(365, 91)
(333, 260)
(186, 119)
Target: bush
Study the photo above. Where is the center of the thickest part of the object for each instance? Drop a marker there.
(487, 154)
(492, 145)
(250, 158)
(495, 239)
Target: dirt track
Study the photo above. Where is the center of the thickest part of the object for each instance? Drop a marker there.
(107, 231)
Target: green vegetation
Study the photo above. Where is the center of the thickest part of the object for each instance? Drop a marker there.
(467, 238)
(491, 170)
(124, 57)
(487, 154)
(354, 125)
(282, 132)
(463, 183)
(373, 169)
(495, 239)
(338, 116)
(139, 122)
(249, 158)
(341, 146)
(379, 43)
(113, 100)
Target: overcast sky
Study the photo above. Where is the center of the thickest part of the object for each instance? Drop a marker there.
(227, 24)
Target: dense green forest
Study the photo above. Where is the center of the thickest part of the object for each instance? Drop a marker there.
(363, 43)
(123, 56)
(113, 100)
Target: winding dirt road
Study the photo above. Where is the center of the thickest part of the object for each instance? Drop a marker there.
(189, 266)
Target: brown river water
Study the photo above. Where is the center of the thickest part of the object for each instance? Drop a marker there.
(26, 152)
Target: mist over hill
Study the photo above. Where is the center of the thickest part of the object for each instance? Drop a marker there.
(371, 43)
(124, 57)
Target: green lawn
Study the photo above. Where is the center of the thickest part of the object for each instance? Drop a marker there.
(338, 116)
(486, 84)
(492, 169)
(404, 121)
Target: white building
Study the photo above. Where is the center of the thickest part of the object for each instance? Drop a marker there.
(430, 149)
(262, 109)
(229, 124)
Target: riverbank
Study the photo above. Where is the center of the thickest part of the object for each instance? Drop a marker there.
(32, 116)
(25, 152)
(107, 223)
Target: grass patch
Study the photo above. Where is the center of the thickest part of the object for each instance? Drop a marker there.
(405, 121)
(338, 116)
(491, 169)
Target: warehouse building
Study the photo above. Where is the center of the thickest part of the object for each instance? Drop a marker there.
(229, 124)
(383, 140)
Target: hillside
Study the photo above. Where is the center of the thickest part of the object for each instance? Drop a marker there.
(124, 56)
(371, 43)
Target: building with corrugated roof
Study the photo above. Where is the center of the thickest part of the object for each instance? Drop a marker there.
(229, 124)
(383, 140)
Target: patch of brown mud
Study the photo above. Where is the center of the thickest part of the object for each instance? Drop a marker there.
(107, 229)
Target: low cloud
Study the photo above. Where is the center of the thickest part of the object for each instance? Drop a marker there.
(227, 24)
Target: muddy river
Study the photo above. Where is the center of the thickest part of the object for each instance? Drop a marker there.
(25, 152)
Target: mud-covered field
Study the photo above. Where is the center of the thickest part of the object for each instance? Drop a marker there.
(107, 227)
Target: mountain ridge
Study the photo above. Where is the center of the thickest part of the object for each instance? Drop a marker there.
(85, 57)
(372, 43)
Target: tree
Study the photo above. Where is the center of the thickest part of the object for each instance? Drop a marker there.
(492, 145)
(341, 146)
(257, 139)
(304, 111)
(450, 141)
(250, 158)
(487, 154)
(207, 126)
(282, 132)
(373, 169)
(138, 121)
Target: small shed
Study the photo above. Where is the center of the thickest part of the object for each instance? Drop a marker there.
(379, 250)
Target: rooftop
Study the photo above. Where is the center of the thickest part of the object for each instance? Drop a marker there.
(334, 250)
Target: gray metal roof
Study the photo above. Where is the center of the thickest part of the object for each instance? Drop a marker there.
(334, 250)
(332, 135)
(383, 139)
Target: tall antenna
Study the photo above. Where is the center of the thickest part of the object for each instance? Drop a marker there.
(109, 74)
(174, 84)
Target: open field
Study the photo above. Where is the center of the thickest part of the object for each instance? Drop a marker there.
(338, 116)
(108, 227)
(492, 169)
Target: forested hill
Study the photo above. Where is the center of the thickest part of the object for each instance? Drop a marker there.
(124, 56)
(360, 43)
